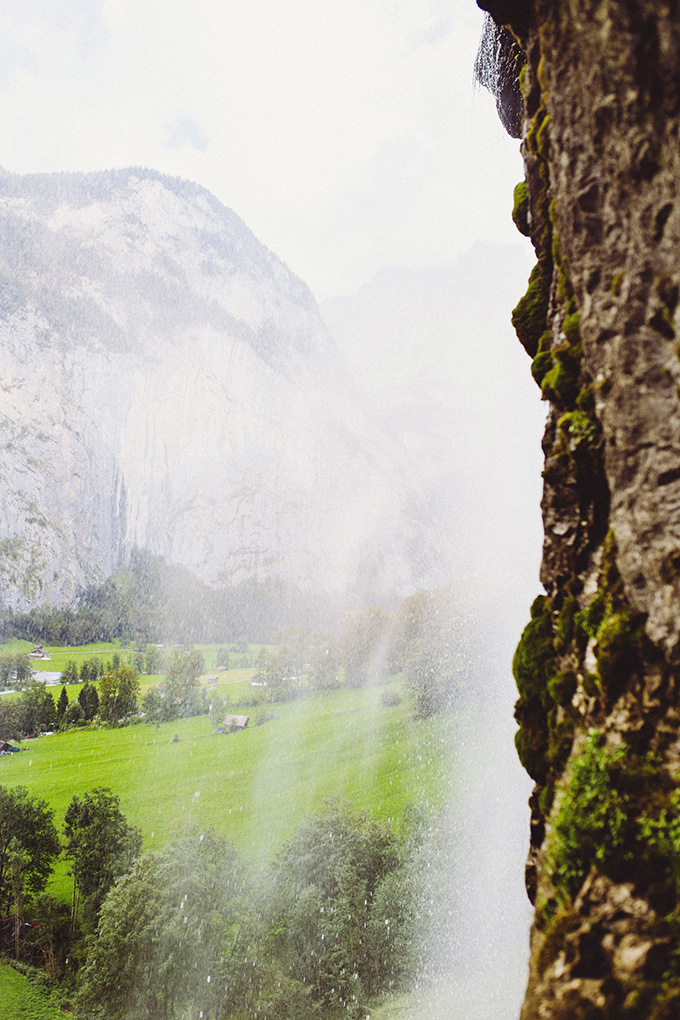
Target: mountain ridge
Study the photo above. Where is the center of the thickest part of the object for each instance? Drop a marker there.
(170, 385)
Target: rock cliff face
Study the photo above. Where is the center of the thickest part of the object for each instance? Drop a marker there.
(169, 384)
(597, 666)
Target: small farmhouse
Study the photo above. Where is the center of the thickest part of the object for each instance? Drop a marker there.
(233, 722)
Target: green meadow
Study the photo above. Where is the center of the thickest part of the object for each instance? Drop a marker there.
(254, 786)
(59, 656)
(20, 1001)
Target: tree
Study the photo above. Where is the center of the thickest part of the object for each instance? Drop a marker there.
(323, 662)
(430, 676)
(6, 667)
(86, 670)
(9, 720)
(139, 656)
(118, 692)
(153, 705)
(36, 710)
(364, 645)
(153, 659)
(165, 935)
(28, 845)
(319, 907)
(278, 667)
(70, 673)
(23, 670)
(182, 696)
(185, 667)
(101, 845)
(48, 937)
(73, 715)
(62, 704)
(89, 700)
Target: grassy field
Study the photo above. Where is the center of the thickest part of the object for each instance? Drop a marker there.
(20, 1001)
(60, 656)
(254, 786)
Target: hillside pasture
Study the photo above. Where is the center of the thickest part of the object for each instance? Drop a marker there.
(254, 786)
(21, 1001)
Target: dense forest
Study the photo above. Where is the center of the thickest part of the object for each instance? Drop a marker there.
(152, 600)
(332, 922)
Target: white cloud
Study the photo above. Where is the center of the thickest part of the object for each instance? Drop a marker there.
(185, 131)
(344, 134)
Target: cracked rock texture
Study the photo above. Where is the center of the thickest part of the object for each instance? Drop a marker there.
(597, 667)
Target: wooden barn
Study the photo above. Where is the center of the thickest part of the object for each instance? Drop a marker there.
(232, 723)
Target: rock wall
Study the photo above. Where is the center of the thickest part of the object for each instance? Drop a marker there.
(597, 666)
(168, 383)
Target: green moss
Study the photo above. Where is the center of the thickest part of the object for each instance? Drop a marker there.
(538, 135)
(619, 813)
(542, 139)
(590, 685)
(562, 687)
(581, 428)
(529, 316)
(561, 384)
(559, 377)
(616, 650)
(571, 328)
(564, 627)
(557, 925)
(590, 618)
(561, 740)
(533, 661)
(585, 401)
(520, 208)
(546, 730)
(533, 665)
(546, 798)
(540, 366)
(592, 826)
(531, 745)
(615, 626)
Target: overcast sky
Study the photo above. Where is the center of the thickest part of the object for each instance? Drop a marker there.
(346, 134)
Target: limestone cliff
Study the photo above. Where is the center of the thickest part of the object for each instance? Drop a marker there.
(597, 666)
(169, 384)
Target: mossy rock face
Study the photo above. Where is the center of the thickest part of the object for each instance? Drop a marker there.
(619, 812)
(571, 328)
(533, 661)
(618, 650)
(529, 316)
(531, 744)
(533, 665)
(561, 384)
(540, 366)
(520, 208)
(562, 687)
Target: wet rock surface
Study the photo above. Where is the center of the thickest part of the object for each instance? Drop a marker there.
(598, 679)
